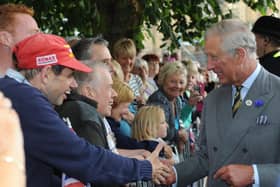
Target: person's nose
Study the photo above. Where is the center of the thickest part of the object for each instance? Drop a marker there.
(114, 93)
(166, 125)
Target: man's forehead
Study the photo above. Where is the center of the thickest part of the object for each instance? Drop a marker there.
(212, 44)
(100, 51)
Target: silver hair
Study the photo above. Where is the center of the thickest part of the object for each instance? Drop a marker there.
(170, 69)
(234, 34)
(93, 77)
(140, 63)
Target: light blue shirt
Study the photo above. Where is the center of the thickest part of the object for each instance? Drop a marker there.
(246, 85)
(17, 76)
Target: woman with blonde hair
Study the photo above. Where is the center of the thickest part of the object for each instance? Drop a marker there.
(124, 51)
(120, 107)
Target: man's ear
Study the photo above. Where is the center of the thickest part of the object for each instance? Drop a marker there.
(6, 39)
(266, 39)
(87, 91)
(46, 74)
(240, 54)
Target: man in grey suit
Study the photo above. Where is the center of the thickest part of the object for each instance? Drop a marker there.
(241, 149)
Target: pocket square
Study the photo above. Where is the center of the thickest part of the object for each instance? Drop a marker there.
(262, 120)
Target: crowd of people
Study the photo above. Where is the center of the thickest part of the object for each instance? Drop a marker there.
(73, 114)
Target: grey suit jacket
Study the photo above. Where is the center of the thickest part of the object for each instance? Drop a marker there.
(241, 140)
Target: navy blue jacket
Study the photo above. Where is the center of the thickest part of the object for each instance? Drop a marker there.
(50, 146)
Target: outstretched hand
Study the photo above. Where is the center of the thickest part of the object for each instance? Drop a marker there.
(160, 171)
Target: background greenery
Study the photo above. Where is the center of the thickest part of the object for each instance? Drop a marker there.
(175, 19)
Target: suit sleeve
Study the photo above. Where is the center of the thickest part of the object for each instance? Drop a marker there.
(195, 167)
(269, 174)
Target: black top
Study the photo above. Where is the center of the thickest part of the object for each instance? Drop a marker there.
(271, 62)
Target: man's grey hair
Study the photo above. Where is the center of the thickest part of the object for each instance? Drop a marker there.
(234, 34)
(82, 49)
(94, 78)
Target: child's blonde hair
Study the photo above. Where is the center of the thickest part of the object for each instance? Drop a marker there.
(146, 122)
(192, 67)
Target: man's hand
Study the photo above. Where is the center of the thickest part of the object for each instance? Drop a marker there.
(183, 135)
(128, 116)
(171, 178)
(160, 171)
(195, 97)
(236, 175)
(168, 153)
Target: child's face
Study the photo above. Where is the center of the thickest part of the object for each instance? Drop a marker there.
(191, 81)
(162, 130)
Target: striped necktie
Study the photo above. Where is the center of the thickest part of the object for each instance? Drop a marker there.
(237, 100)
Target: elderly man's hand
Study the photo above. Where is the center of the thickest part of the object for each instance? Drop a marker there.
(236, 175)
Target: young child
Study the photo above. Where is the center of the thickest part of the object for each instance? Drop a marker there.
(150, 125)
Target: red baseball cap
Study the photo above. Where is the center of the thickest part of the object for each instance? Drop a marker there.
(40, 50)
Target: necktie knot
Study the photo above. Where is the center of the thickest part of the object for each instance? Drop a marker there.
(238, 88)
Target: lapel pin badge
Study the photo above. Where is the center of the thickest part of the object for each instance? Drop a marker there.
(248, 102)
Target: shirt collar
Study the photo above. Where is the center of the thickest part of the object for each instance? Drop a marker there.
(250, 80)
(17, 76)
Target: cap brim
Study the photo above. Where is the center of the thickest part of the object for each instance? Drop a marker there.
(76, 65)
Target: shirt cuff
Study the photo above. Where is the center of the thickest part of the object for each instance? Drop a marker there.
(256, 176)
(175, 184)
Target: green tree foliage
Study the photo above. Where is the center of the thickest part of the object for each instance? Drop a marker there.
(175, 19)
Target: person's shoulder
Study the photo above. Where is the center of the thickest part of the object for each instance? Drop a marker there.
(157, 95)
(275, 80)
(8, 83)
(78, 109)
(217, 92)
(13, 88)
(159, 99)
(136, 78)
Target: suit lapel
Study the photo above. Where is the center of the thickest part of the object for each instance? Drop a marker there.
(235, 129)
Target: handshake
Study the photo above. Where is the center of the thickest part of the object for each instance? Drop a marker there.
(163, 171)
